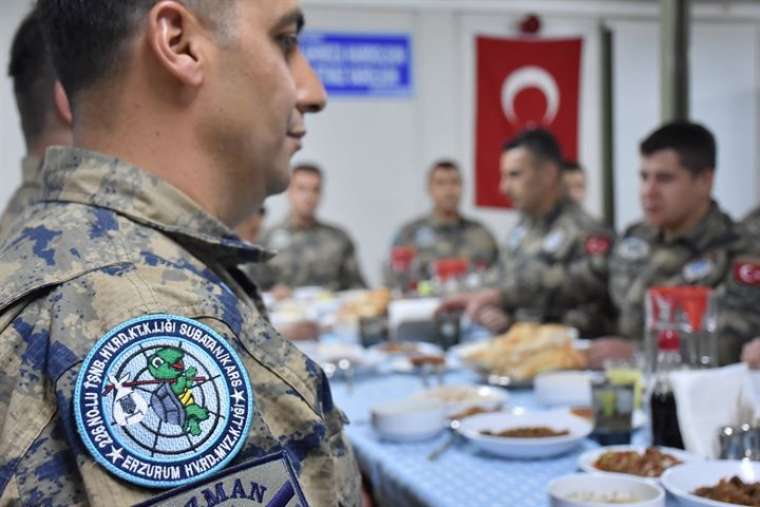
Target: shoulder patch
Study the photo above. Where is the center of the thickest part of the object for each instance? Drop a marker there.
(517, 236)
(269, 481)
(598, 244)
(553, 241)
(280, 239)
(424, 237)
(747, 272)
(163, 401)
(633, 248)
(698, 269)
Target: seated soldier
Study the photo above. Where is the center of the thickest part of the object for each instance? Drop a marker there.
(752, 222)
(685, 239)
(444, 233)
(308, 252)
(574, 181)
(555, 263)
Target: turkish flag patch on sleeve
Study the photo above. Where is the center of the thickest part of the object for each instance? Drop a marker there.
(598, 245)
(747, 272)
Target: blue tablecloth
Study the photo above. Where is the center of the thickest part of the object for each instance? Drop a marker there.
(402, 475)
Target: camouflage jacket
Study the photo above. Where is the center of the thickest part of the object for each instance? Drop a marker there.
(24, 195)
(433, 239)
(556, 270)
(752, 223)
(321, 255)
(106, 243)
(717, 253)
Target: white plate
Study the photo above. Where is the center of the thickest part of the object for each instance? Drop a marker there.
(682, 480)
(525, 447)
(411, 348)
(331, 352)
(457, 399)
(561, 489)
(587, 459)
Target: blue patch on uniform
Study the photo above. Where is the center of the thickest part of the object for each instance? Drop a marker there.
(696, 270)
(424, 237)
(163, 401)
(42, 236)
(105, 221)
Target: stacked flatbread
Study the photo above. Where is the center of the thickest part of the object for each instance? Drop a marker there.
(366, 304)
(526, 350)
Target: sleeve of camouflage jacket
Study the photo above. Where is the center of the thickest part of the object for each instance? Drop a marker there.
(350, 273)
(572, 281)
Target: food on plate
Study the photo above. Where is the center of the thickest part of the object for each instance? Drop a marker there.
(526, 432)
(394, 347)
(651, 463)
(528, 349)
(366, 305)
(419, 360)
(732, 490)
(615, 497)
(584, 412)
(471, 411)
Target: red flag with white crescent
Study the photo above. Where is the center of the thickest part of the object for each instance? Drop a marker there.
(523, 83)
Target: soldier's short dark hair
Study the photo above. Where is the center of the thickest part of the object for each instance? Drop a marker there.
(33, 75)
(540, 142)
(572, 166)
(308, 168)
(693, 142)
(444, 164)
(88, 37)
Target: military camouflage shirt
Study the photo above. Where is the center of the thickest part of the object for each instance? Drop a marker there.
(320, 255)
(752, 222)
(25, 194)
(717, 253)
(556, 270)
(433, 239)
(106, 243)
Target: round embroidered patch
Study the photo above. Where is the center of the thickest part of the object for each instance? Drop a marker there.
(163, 401)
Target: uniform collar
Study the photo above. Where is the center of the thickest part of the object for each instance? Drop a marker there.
(547, 221)
(714, 227)
(436, 222)
(288, 225)
(30, 169)
(92, 179)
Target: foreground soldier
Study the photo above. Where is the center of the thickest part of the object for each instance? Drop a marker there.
(309, 252)
(43, 108)
(444, 233)
(555, 262)
(685, 239)
(134, 355)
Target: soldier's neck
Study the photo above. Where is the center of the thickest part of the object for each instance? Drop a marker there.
(446, 216)
(547, 205)
(688, 225)
(302, 222)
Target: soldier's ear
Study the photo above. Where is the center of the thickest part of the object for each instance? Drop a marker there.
(176, 38)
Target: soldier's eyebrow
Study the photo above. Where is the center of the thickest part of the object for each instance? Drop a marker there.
(294, 17)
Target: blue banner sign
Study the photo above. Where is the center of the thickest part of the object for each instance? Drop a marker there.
(367, 65)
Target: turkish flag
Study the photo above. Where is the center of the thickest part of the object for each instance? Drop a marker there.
(521, 84)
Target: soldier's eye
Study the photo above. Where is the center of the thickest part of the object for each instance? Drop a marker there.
(157, 362)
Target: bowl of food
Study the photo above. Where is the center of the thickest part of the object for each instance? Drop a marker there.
(409, 420)
(646, 462)
(596, 490)
(714, 483)
(461, 400)
(526, 435)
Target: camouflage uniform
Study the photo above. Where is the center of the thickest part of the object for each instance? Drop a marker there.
(752, 223)
(106, 243)
(321, 255)
(433, 239)
(556, 270)
(709, 255)
(25, 195)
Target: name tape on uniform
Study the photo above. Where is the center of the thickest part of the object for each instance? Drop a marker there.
(163, 401)
(268, 481)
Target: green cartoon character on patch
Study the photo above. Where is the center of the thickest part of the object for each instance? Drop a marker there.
(173, 402)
